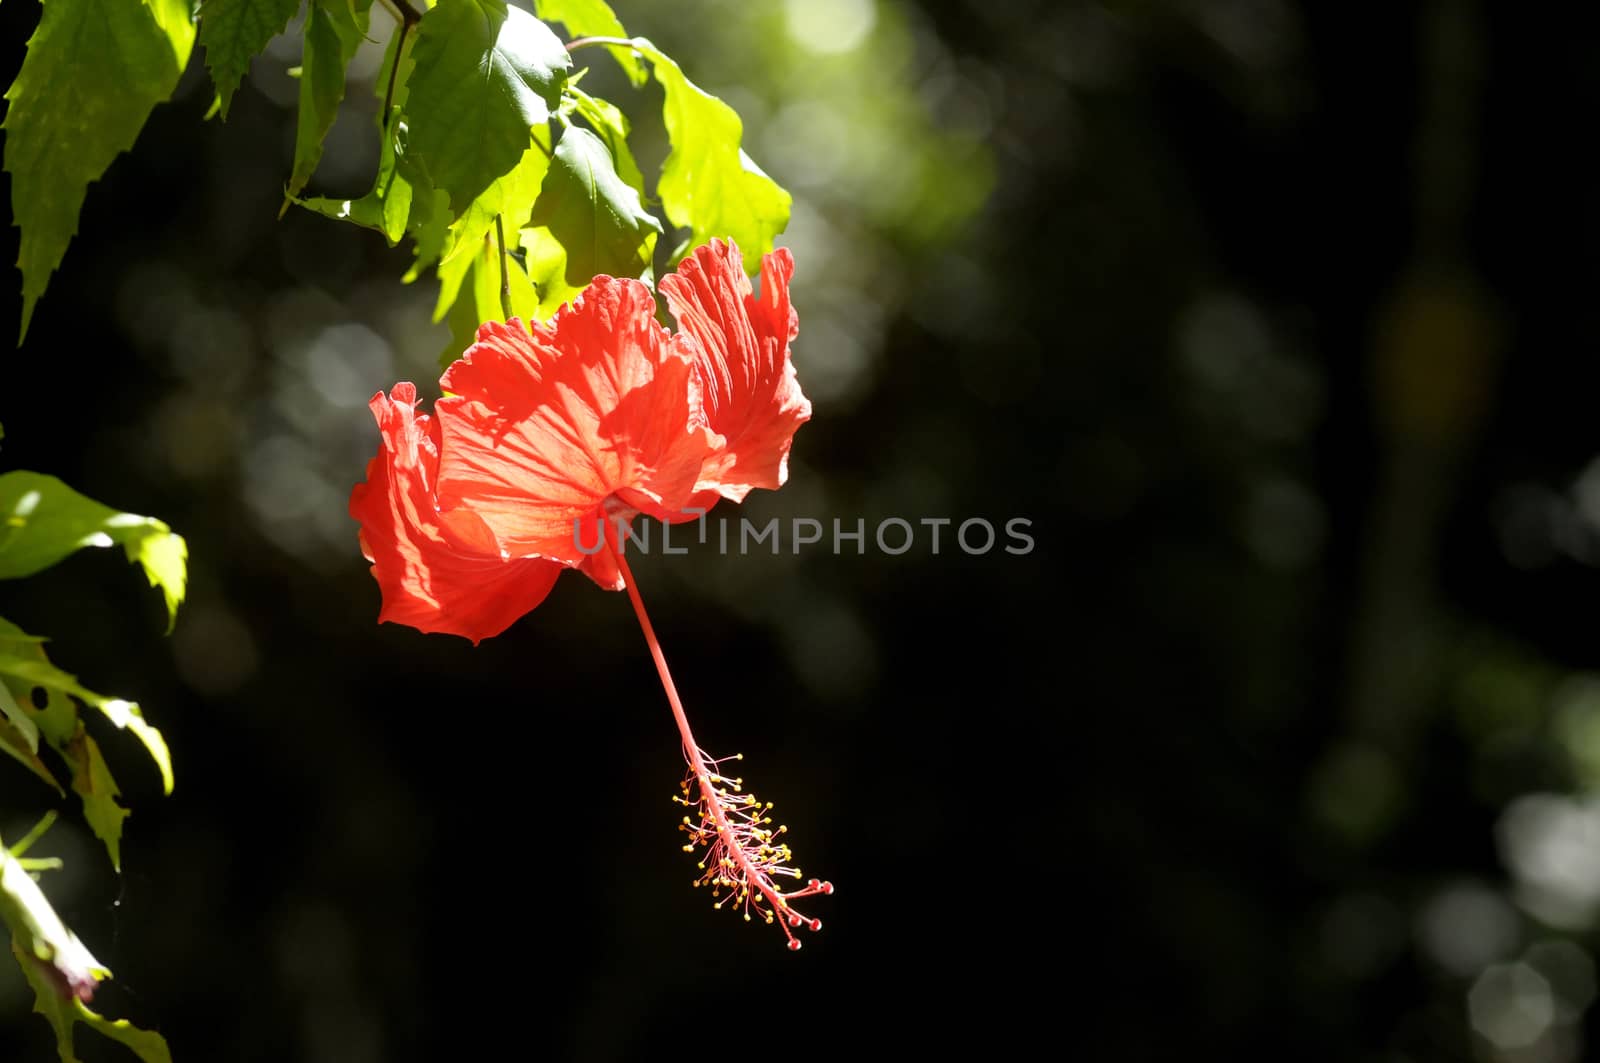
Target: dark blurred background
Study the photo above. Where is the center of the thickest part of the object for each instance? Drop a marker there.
(1273, 318)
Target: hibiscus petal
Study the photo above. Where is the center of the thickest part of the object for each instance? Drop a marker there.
(437, 572)
(741, 343)
(540, 429)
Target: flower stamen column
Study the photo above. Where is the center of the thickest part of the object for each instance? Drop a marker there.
(743, 852)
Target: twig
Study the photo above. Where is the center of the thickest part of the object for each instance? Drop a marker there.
(505, 274)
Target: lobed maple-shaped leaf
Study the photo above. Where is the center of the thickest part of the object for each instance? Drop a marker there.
(92, 75)
(233, 32)
(485, 75)
(708, 184)
(594, 213)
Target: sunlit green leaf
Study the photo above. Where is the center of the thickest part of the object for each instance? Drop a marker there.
(25, 670)
(708, 184)
(334, 30)
(12, 713)
(34, 671)
(146, 1044)
(58, 966)
(511, 199)
(546, 262)
(37, 931)
(485, 75)
(593, 18)
(233, 32)
(92, 75)
(42, 520)
(480, 300)
(19, 737)
(612, 127)
(595, 215)
(97, 790)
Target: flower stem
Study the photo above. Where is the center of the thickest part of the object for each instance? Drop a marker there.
(691, 750)
(748, 850)
(591, 42)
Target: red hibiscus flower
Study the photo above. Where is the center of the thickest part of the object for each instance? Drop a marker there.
(550, 433)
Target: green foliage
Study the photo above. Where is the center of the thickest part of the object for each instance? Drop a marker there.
(469, 88)
(546, 261)
(593, 213)
(593, 18)
(334, 30)
(511, 197)
(612, 127)
(19, 737)
(708, 184)
(24, 669)
(401, 201)
(92, 75)
(45, 520)
(485, 75)
(233, 32)
(60, 968)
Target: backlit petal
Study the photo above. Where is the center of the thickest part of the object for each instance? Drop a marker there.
(741, 345)
(437, 573)
(541, 428)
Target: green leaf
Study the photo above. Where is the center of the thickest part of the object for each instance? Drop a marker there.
(37, 671)
(92, 75)
(12, 713)
(612, 127)
(334, 30)
(546, 263)
(593, 18)
(388, 207)
(24, 668)
(233, 32)
(59, 968)
(511, 199)
(97, 790)
(708, 184)
(19, 737)
(146, 1044)
(485, 76)
(593, 213)
(430, 222)
(57, 965)
(479, 300)
(42, 520)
